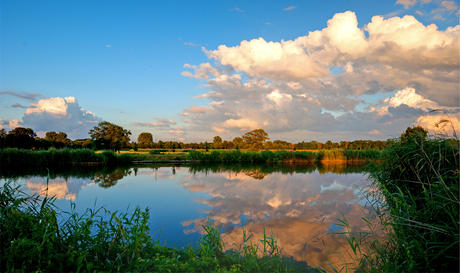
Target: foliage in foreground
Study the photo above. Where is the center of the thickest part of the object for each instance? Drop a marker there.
(34, 240)
(416, 205)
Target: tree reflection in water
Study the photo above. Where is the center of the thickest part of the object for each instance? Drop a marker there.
(300, 208)
(110, 180)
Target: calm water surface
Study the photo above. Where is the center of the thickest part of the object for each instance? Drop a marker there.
(299, 204)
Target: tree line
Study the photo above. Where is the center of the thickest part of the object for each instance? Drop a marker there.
(109, 136)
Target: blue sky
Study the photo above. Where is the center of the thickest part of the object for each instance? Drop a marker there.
(190, 70)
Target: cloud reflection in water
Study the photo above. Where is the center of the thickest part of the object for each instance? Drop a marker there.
(298, 208)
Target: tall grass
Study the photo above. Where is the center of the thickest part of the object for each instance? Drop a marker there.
(34, 239)
(415, 198)
(284, 156)
(21, 157)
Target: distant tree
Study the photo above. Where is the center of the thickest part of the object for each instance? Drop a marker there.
(256, 138)
(217, 142)
(135, 147)
(144, 140)
(160, 144)
(59, 140)
(414, 133)
(327, 145)
(20, 137)
(238, 142)
(2, 138)
(226, 144)
(107, 135)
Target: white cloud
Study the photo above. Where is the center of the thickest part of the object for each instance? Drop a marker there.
(374, 132)
(10, 124)
(432, 122)
(409, 97)
(406, 3)
(159, 123)
(290, 8)
(287, 86)
(57, 114)
(237, 9)
(242, 124)
(449, 5)
(268, 59)
(177, 131)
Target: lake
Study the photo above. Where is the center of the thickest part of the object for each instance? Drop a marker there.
(299, 204)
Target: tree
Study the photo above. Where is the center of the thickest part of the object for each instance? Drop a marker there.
(107, 135)
(2, 138)
(256, 138)
(416, 133)
(217, 142)
(20, 137)
(144, 140)
(60, 138)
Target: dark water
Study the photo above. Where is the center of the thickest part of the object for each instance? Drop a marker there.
(299, 204)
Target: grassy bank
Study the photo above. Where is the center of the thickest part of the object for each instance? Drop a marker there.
(285, 156)
(415, 201)
(66, 156)
(34, 239)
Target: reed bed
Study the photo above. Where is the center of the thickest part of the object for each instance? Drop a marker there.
(414, 225)
(66, 156)
(284, 156)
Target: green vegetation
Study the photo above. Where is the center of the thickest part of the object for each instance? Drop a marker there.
(34, 239)
(145, 140)
(111, 136)
(415, 222)
(284, 156)
(107, 135)
(20, 157)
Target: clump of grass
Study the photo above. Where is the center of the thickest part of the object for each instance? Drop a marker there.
(415, 198)
(34, 239)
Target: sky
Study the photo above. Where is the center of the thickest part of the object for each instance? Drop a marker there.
(190, 70)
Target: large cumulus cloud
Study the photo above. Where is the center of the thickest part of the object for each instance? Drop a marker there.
(60, 115)
(316, 82)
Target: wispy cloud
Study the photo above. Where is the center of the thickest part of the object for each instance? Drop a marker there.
(159, 123)
(290, 8)
(17, 105)
(374, 132)
(237, 9)
(23, 95)
(108, 45)
(191, 44)
(449, 5)
(406, 3)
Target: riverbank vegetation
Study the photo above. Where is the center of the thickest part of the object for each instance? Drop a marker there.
(415, 199)
(284, 156)
(107, 135)
(66, 156)
(35, 238)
